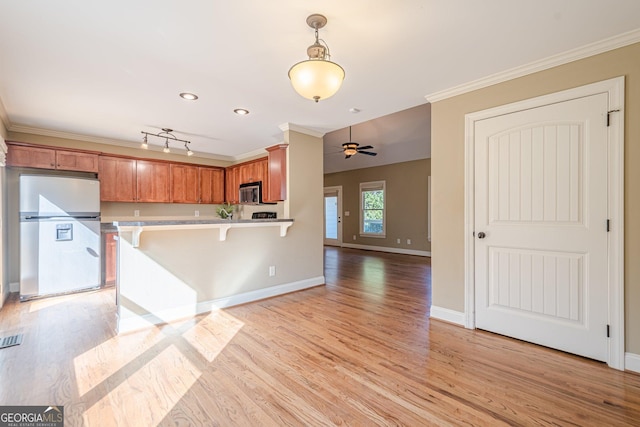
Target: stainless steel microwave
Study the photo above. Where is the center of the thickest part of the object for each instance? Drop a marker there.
(251, 193)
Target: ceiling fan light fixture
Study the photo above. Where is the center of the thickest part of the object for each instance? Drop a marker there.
(350, 148)
(317, 77)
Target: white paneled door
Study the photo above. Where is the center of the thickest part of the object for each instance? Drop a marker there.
(541, 225)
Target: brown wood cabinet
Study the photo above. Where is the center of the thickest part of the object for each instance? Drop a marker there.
(153, 181)
(31, 157)
(76, 161)
(51, 158)
(212, 185)
(231, 184)
(110, 257)
(117, 179)
(185, 184)
(277, 173)
(271, 170)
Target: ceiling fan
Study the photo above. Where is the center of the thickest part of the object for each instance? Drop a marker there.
(350, 148)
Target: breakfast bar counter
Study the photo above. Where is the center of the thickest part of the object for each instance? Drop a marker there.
(224, 225)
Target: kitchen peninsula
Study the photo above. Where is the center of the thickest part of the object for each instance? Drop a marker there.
(175, 268)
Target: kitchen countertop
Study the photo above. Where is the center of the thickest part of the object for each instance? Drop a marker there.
(192, 221)
(138, 225)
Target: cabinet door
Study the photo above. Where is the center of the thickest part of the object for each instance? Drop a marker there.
(249, 172)
(110, 257)
(277, 172)
(232, 184)
(153, 180)
(31, 157)
(73, 161)
(117, 179)
(261, 169)
(212, 186)
(184, 184)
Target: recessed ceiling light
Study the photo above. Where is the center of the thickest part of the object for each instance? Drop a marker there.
(241, 111)
(189, 96)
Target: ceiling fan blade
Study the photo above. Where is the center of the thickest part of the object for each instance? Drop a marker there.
(366, 147)
(368, 153)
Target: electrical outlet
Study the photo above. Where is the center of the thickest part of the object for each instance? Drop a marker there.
(347, 213)
(408, 241)
(272, 270)
(136, 212)
(398, 241)
(197, 213)
(354, 237)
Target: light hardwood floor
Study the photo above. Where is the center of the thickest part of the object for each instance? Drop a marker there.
(359, 351)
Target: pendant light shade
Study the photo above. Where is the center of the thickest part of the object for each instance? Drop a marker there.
(317, 78)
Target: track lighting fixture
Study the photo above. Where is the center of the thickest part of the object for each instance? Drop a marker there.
(168, 136)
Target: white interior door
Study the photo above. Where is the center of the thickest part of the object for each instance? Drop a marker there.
(541, 225)
(333, 216)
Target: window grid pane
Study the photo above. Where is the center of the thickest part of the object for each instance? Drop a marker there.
(373, 211)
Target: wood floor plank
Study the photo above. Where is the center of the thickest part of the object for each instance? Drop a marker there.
(360, 350)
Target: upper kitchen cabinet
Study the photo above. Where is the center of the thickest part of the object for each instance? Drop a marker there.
(212, 185)
(30, 156)
(153, 181)
(232, 184)
(185, 186)
(277, 173)
(253, 171)
(117, 179)
(76, 161)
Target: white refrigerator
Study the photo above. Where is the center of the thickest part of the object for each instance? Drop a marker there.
(59, 235)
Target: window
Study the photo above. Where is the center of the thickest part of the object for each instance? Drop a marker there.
(372, 209)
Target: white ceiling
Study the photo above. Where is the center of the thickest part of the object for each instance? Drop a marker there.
(113, 69)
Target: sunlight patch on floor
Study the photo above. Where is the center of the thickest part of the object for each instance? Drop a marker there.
(150, 392)
(213, 333)
(96, 365)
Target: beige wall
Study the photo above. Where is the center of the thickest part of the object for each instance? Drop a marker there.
(447, 138)
(406, 187)
(4, 239)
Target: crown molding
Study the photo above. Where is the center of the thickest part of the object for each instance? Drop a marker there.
(4, 117)
(586, 51)
(296, 128)
(254, 153)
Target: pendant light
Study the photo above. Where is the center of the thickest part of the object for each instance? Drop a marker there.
(317, 77)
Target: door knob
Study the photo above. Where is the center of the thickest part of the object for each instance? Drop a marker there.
(481, 235)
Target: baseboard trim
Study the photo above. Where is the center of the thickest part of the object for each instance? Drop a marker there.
(134, 323)
(447, 315)
(632, 362)
(14, 287)
(387, 249)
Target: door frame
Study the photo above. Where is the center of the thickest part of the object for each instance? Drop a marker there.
(615, 194)
(338, 189)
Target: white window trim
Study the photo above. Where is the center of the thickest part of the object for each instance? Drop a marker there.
(368, 186)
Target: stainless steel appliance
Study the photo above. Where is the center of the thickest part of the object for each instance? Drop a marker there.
(59, 235)
(251, 193)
